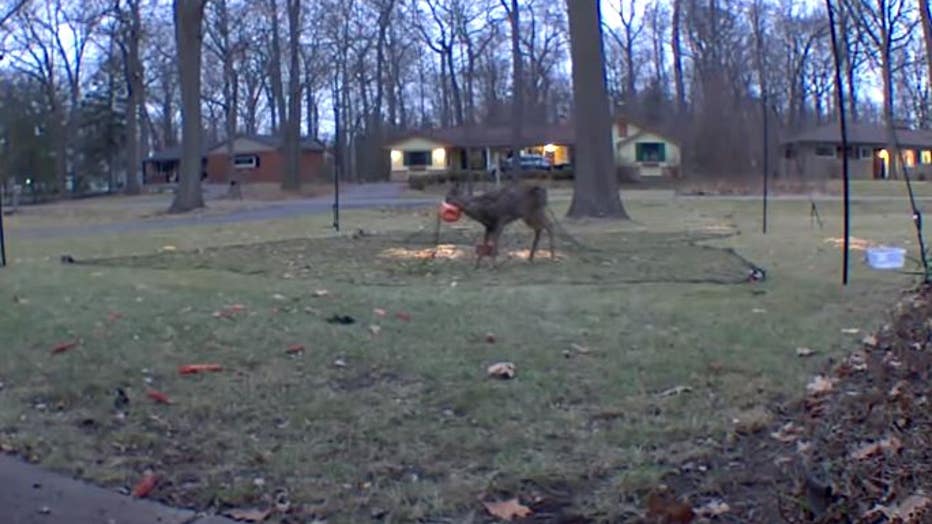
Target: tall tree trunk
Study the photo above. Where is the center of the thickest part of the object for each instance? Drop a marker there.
(134, 87)
(517, 99)
(926, 18)
(292, 180)
(595, 185)
(189, 18)
(678, 59)
(275, 71)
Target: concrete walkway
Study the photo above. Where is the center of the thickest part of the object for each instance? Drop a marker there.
(32, 495)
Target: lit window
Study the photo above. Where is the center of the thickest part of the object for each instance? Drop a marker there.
(439, 156)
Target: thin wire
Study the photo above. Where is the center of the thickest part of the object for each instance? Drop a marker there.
(917, 214)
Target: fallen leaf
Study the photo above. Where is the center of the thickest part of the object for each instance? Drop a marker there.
(294, 349)
(340, 363)
(279, 297)
(911, 509)
(145, 485)
(870, 341)
(581, 349)
(379, 312)
(375, 330)
(64, 346)
(804, 352)
(158, 396)
(502, 370)
(665, 509)
(507, 510)
(677, 390)
(320, 293)
(249, 515)
(820, 385)
(490, 338)
(714, 508)
(758, 311)
(851, 331)
(891, 444)
(191, 369)
(169, 248)
(402, 316)
(789, 432)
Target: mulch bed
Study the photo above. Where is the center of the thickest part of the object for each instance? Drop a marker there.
(856, 448)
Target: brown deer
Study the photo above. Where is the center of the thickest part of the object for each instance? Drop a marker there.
(496, 209)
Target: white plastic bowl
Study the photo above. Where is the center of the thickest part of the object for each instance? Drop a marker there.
(885, 257)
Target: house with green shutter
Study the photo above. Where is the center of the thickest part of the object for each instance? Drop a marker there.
(640, 152)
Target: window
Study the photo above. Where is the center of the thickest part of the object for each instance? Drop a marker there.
(245, 161)
(650, 152)
(825, 151)
(417, 158)
(926, 157)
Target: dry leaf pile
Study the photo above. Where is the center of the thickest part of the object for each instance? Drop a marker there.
(856, 448)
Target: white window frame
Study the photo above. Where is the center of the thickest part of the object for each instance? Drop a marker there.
(238, 161)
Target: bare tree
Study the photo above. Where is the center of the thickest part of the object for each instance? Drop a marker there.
(189, 18)
(595, 187)
(131, 34)
(517, 82)
(888, 26)
(631, 28)
(292, 178)
(926, 19)
(678, 57)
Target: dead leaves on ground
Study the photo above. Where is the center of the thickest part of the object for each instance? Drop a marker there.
(249, 515)
(158, 397)
(502, 370)
(890, 444)
(507, 510)
(193, 369)
(64, 346)
(145, 485)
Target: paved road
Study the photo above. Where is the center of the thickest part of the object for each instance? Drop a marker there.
(355, 197)
(31, 495)
(360, 196)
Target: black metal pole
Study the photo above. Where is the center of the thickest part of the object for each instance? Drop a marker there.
(2, 236)
(336, 199)
(839, 89)
(766, 161)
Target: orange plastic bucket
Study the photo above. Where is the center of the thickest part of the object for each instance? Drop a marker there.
(449, 212)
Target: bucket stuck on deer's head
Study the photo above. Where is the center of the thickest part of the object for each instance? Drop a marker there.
(449, 212)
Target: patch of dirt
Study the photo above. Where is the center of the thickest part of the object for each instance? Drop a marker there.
(856, 448)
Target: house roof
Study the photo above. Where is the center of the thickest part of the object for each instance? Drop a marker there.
(174, 152)
(861, 134)
(276, 141)
(491, 136)
(563, 133)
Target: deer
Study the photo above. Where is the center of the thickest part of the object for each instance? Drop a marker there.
(499, 208)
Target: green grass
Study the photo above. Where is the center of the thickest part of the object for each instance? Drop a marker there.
(412, 425)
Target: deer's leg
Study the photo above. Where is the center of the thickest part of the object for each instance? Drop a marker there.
(496, 233)
(534, 245)
(553, 253)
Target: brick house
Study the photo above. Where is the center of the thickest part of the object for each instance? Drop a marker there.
(257, 159)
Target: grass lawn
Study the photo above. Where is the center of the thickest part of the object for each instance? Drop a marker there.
(396, 419)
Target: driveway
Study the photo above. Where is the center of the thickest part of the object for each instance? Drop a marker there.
(362, 196)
